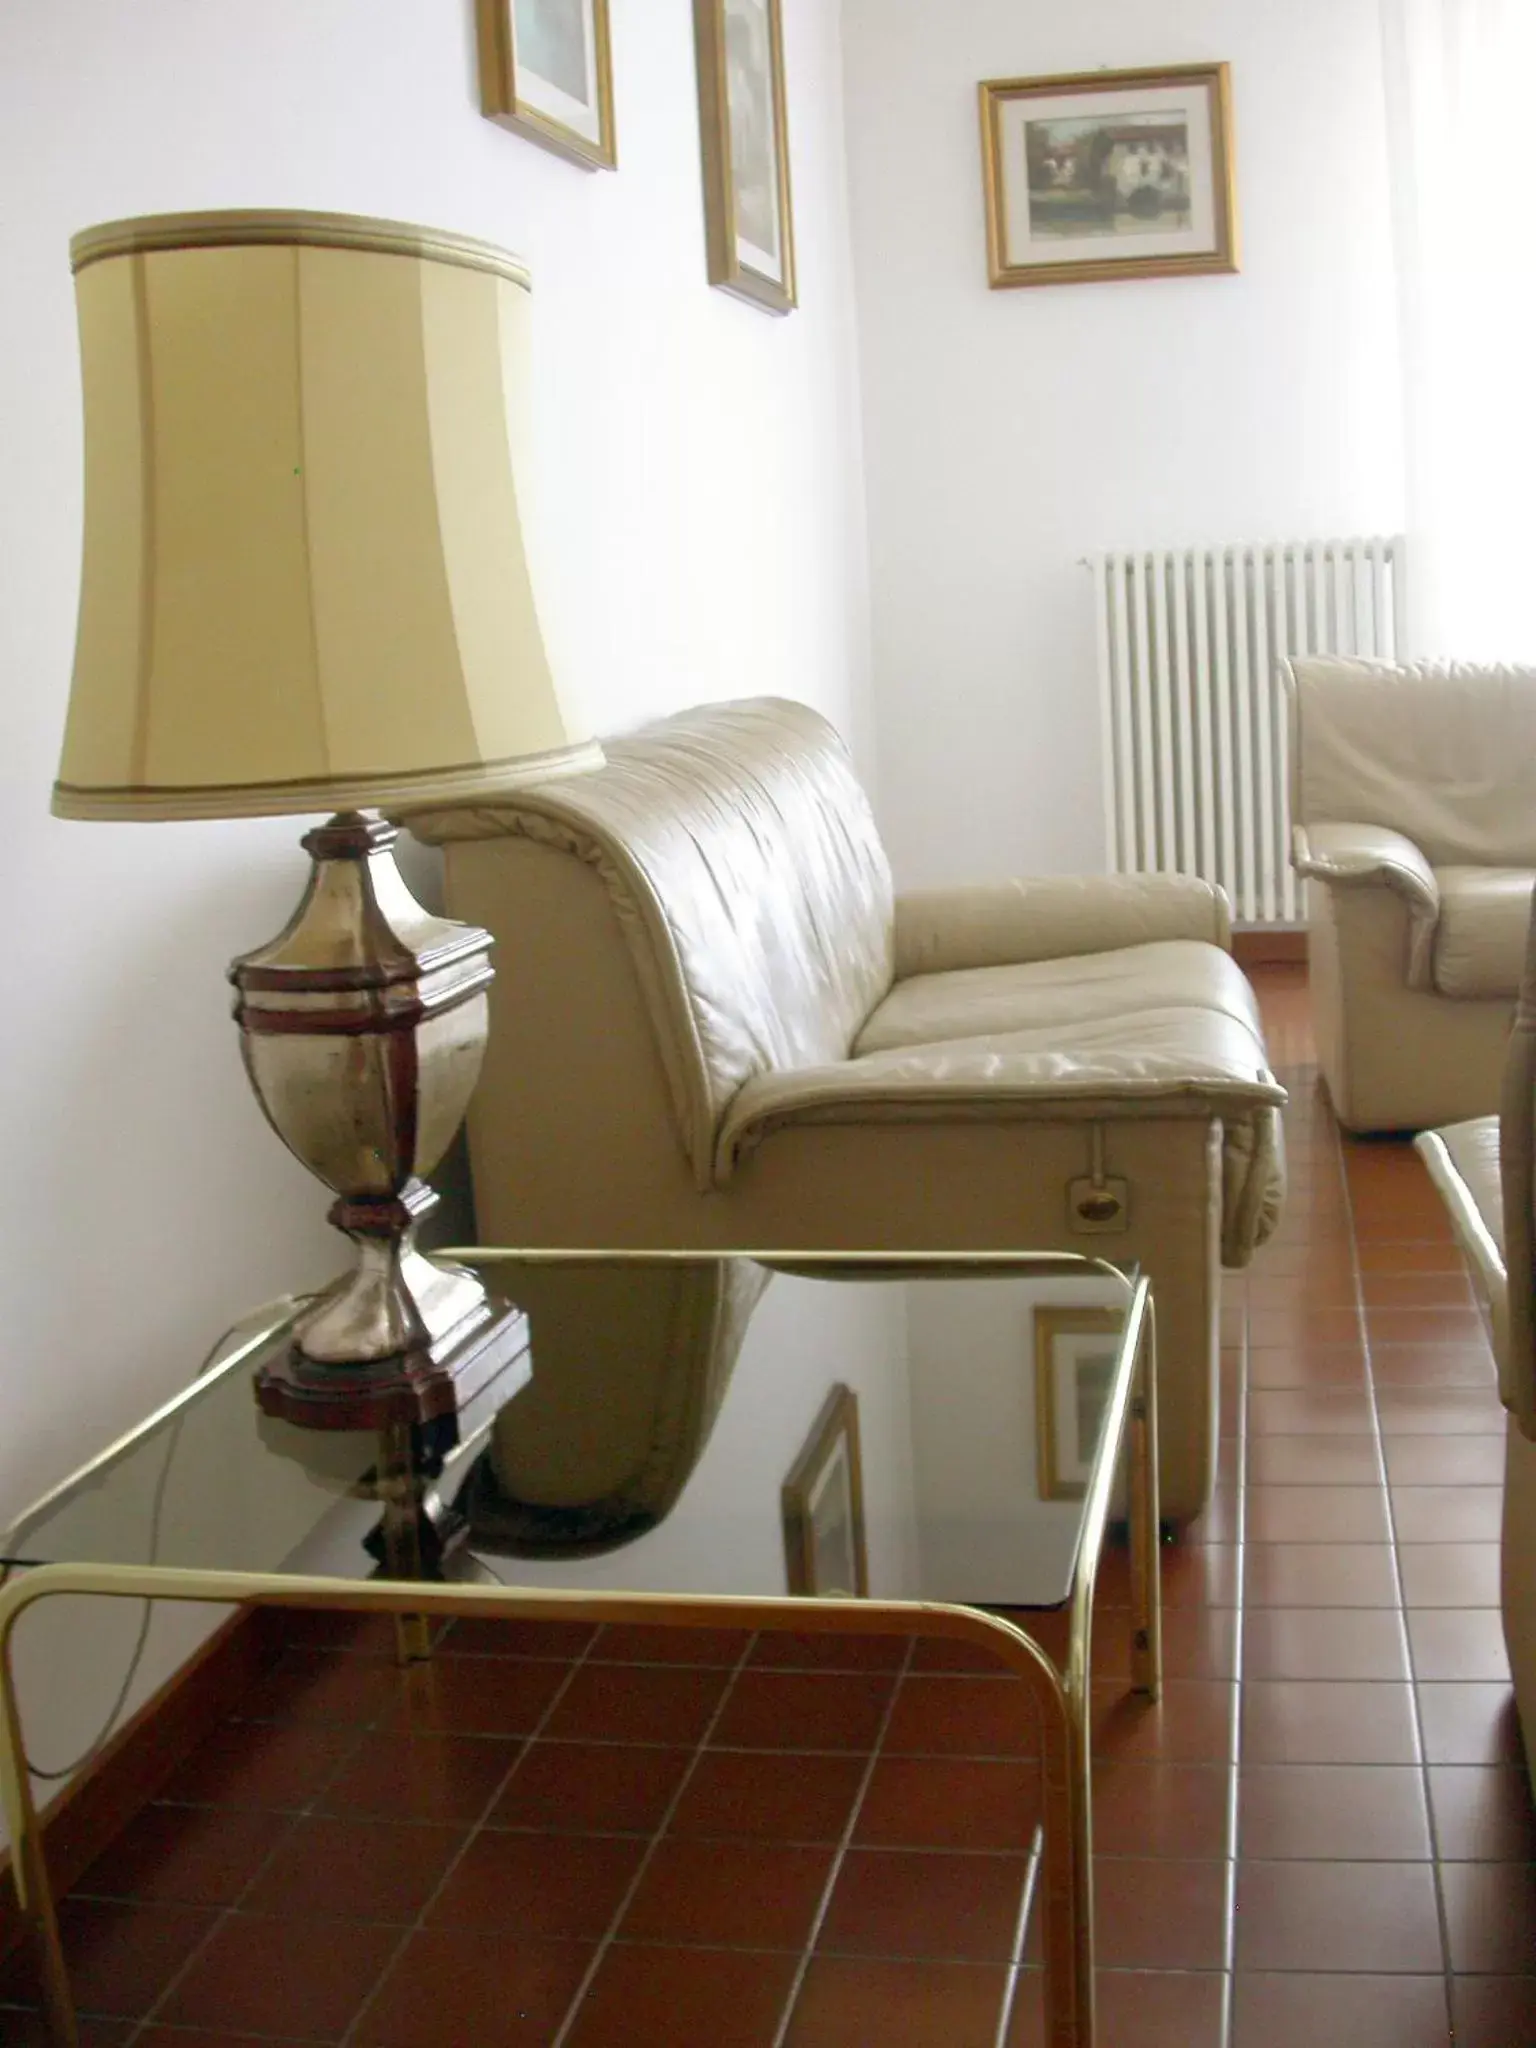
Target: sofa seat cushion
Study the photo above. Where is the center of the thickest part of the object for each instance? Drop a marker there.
(1485, 914)
(1169, 1018)
(1053, 997)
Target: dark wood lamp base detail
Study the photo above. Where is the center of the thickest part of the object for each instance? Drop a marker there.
(411, 1389)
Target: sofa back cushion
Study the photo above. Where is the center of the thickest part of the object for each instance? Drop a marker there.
(1443, 752)
(746, 875)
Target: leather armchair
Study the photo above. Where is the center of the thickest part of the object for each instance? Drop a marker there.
(717, 1027)
(1413, 808)
(1485, 1170)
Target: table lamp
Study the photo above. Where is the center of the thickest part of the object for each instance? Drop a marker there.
(305, 589)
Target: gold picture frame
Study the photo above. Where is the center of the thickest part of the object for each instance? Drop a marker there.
(744, 133)
(826, 1551)
(1094, 175)
(546, 71)
(1075, 1352)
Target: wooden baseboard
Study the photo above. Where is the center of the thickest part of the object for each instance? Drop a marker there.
(104, 1797)
(1264, 948)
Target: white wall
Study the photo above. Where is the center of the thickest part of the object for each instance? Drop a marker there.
(703, 500)
(986, 1533)
(1009, 433)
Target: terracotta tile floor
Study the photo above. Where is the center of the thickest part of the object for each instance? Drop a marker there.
(556, 1836)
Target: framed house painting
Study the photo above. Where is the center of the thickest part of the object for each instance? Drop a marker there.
(1075, 1352)
(546, 71)
(1106, 174)
(748, 225)
(825, 1548)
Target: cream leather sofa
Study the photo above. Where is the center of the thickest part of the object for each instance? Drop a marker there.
(1486, 1171)
(633, 1367)
(1413, 809)
(714, 1026)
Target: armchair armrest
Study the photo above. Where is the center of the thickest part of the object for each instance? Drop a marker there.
(1352, 856)
(1001, 924)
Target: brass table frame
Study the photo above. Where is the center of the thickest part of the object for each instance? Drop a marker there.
(1062, 1697)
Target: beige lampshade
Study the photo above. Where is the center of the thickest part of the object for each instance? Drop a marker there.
(304, 584)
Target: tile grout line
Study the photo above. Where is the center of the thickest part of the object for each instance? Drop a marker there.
(1016, 1964)
(627, 1899)
(1347, 1240)
(840, 1853)
(1235, 1782)
(472, 1831)
(293, 1817)
(1442, 1919)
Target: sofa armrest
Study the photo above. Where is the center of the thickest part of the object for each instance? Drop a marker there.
(1180, 1064)
(1002, 924)
(1177, 1066)
(1353, 856)
(1464, 1164)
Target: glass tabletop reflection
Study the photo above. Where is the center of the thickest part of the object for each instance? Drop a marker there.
(920, 1429)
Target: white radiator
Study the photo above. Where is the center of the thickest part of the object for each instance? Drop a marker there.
(1194, 716)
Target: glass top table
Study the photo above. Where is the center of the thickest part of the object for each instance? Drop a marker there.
(929, 1444)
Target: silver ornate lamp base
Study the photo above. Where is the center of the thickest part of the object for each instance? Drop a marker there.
(363, 1026)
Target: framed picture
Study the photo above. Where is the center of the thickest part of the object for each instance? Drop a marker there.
(1075, 1352)
(1102, 174)
(546, 71)
(824, 1545)
(747, 220)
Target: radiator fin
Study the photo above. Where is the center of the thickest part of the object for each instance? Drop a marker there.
(1195, 767)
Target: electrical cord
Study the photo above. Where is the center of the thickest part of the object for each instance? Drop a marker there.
(141, 1641)
(94, 1748)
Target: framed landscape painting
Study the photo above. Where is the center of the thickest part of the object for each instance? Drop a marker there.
(546, 71)
(825, 1547)
(1075, 1353)
(1106, 174)
(744, 133)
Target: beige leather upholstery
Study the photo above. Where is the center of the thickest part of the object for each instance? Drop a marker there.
(1463, 1162)
(1517, 1579)
(715, 1027)
(1486, 1171)
(1413, 809)
(633, 1366)
(1003, 924)
(1481, 933)
(740, 859)
(1056, 995)
(1439, 751)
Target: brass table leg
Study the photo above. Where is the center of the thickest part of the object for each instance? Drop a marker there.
(58, 1998)
(29, 1873)
(1066, 1871)
(1066, 1706)
(400, 1498)
(1146, 1524)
